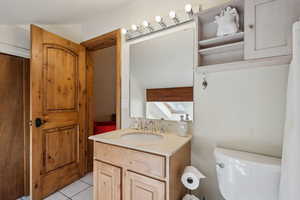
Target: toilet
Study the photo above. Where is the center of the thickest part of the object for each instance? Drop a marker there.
(247, 176)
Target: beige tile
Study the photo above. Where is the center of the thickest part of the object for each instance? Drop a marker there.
(74, 188)
(88, 178)
(57, 196)
(84, 195)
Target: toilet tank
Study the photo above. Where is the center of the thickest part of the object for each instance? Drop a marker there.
(247, 176)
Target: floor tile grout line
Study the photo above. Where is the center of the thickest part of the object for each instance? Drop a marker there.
(64, 195)
(80, 192)
(85, 182)
(77, 192)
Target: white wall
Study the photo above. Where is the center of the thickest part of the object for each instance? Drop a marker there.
(104, 83)
(242, 110)
(14, 40)
(71, 32)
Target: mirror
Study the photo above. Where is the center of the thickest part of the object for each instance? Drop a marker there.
(161, 77)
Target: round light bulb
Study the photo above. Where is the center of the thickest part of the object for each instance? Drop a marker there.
(172, 14)
(134, 27)
(124, 31)
(158, 19)
(145, 23)
(188, 8)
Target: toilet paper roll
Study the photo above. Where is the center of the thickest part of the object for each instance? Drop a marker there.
(191, 178)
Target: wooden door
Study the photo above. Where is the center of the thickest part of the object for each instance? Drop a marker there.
(139, 187)
(14, 127)
(58, 103)
(107, 182)
(268, 25)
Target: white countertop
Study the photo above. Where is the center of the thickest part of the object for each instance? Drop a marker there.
(167, 146)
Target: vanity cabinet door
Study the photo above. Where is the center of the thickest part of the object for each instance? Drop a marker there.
(268, 26)
(138, 187)
(107, 182)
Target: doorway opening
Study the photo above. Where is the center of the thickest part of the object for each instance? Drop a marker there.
(103, 86)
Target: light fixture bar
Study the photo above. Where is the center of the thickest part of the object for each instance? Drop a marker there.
(173, 16)
(160, 21)
(146, 28)
(132, 37)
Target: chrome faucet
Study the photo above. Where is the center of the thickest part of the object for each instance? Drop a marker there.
(153, 126)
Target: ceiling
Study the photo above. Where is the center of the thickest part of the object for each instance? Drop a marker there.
(54, 11)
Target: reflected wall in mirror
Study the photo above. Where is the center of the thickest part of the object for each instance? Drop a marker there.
(161, 77)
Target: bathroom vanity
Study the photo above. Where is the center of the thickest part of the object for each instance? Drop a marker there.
(132, 165)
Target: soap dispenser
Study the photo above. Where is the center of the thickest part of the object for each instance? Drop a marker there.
(182, 127)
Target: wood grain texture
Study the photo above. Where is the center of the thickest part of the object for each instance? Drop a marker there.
(101, 42)
(144, 163)
(58, 96)
(61, 79)
(170, 94)
(13, 127)
(141, 171)
(90, 111)
(26, 92)
(60, 147)
(107, 179)
(118, 76)
(139, 187)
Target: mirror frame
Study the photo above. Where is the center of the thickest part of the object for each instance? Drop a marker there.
(126, 118)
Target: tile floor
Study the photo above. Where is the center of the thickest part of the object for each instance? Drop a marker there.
(79, 190)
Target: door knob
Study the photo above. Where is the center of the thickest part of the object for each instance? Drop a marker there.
(39, 122)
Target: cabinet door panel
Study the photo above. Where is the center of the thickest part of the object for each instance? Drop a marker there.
(107, 181)
(139, 187)
(267, 28)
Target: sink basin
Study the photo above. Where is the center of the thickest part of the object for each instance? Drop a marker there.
(147, 137)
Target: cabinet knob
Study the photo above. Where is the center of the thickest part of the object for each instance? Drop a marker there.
(251, 26)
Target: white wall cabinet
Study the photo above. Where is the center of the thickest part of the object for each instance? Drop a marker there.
(268, 27)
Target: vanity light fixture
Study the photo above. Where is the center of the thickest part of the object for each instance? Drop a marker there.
(124, 31)
(148, 26)
(160, 21)
(134, 27)
(173, 16)
(189, 10)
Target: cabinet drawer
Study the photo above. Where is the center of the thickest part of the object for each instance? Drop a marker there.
(141, 162)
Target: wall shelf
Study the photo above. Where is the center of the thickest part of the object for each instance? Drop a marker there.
(246, 64)
(223, 48)
(237, 37)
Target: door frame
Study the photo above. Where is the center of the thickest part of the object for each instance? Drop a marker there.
(110, 39)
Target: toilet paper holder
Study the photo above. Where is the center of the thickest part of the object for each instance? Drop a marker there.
(191, 177)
